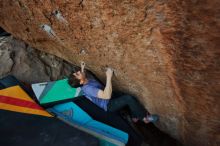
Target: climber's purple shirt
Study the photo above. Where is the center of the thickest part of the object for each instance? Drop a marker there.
(90, 91)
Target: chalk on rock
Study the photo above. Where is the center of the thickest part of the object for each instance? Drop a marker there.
(83, 51)
(60, 17)
(48, 30)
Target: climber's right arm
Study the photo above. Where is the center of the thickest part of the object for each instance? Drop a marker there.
(107, 92)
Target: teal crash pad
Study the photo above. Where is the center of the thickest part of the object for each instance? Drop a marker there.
(49, 92)
(74, 115)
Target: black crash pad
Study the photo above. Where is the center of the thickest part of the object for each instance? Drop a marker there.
(18, 129)
(111, 118)
(10, 81)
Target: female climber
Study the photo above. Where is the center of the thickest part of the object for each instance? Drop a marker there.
(102, 96)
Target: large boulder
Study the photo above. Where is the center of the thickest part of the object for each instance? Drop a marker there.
(166, 53)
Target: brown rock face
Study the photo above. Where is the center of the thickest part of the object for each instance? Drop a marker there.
(166, 53)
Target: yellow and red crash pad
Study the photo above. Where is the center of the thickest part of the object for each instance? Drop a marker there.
(17, 100)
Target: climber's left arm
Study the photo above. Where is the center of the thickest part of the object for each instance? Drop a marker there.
(83, 64)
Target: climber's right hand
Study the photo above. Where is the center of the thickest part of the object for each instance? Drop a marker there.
(109, 72)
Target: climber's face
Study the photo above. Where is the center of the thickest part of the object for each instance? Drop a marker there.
(80, 76)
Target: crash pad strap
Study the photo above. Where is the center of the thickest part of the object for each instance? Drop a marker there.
(47, 88)
(38, 89)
